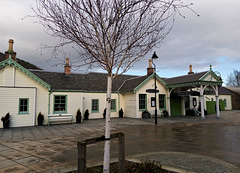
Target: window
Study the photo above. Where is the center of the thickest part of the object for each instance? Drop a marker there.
(162, 101)
(194, 102)
(225, 102)
(95, 105)
(23, 106)
(113, 105)
(142, 102)
(60, 104)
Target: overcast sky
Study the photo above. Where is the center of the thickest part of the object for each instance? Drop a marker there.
(213, 38)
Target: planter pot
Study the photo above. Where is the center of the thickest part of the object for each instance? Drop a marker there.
(145, 115)
(6, 124)
(120, 114)
(78, 119)
(86, 117)
(40, 122)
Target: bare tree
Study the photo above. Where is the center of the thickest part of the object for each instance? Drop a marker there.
(112, 34)
(233, 79)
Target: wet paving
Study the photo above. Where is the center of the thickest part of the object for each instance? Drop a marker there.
(51, 148)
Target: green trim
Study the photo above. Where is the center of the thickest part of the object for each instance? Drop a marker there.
(65, 109)
(211, 73)
(195, 83)
(118, 101)
(49, 96)
(115, 105)
(145, 102)
(113, 92)
(81, 91)
(95, 111)
(19, 106)
(149, 78)
(128, 92)
(11, 62)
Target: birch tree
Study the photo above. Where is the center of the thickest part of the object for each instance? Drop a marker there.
(233, 79)
(111, 34)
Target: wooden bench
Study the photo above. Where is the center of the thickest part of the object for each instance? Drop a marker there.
(59, 118)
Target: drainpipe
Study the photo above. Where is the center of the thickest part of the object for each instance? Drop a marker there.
(50, 92)
(35, 106)
(118, 101)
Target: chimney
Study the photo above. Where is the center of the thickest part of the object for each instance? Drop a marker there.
(150, 69)
(10, 51)
(67, 68)
(190, 70)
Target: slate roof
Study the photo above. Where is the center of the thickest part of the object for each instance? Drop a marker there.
(91, 82)
(234, 89)
(23, 63)
(97, 82)
(223, 91)
(130, 84)
(185, 79)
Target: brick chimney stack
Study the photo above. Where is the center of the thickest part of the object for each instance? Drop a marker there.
(10, 51)
(150, 69)
(67, 67)
(190, 70)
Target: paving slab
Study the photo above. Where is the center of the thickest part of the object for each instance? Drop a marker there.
(54, 148)
(187, 162)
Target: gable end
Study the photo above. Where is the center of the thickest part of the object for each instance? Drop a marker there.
(149, 78)
(10, 62)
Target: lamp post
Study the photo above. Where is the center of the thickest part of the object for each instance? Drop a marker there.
(154, 56)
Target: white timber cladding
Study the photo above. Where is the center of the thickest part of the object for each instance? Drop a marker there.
(80, 100)
(22, 80)
(191, 98)
(9, 102)
(121, 103)
(129, 105)
(142, 90)
(8, 78)
(2, 77)
(210, 78)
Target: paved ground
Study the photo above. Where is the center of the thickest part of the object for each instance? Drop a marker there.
(183, 143)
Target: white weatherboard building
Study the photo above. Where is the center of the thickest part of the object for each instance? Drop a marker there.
(26, 90)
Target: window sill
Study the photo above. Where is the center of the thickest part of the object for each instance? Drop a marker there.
(95, 112)
(59, 112)
(23, 113)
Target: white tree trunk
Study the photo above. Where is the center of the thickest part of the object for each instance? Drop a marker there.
(106, 163)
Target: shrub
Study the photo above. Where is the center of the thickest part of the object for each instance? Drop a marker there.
(120, 113)
(79, 116)
(6, 120)
(40, 119)
(86, 115)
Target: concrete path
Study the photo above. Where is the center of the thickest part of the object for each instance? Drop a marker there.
(183, 143)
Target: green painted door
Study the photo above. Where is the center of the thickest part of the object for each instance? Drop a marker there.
(211, 107)
(176, 108)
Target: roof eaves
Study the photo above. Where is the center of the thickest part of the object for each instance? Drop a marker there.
(194, 83)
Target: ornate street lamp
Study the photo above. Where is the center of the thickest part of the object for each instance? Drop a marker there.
(154, 56)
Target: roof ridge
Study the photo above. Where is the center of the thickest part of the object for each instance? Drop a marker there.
(185, 75)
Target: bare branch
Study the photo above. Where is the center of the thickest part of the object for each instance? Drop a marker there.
(113, 33)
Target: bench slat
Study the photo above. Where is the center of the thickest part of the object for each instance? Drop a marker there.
(60, 118)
